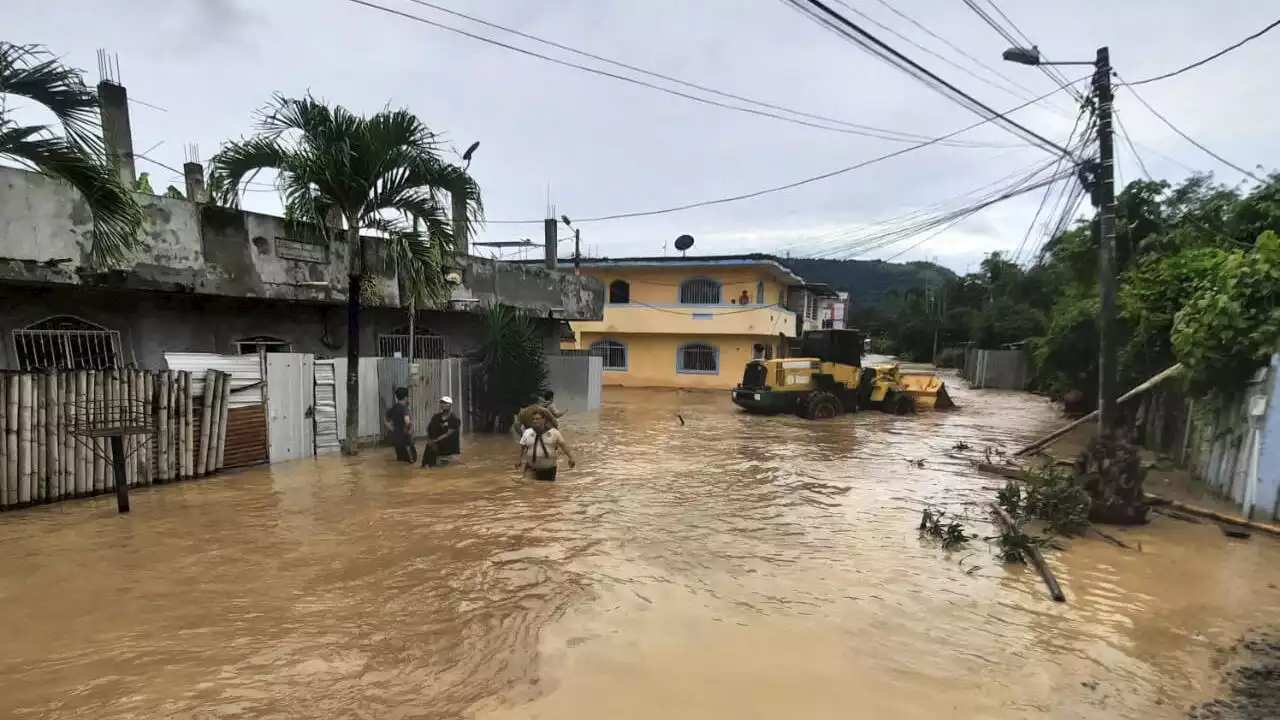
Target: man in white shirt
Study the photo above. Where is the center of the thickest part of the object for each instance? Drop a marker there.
(540, 448)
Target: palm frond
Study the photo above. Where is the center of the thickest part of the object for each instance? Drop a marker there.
(240, 161)
(117, 216)
(32, 72)
(415, 261)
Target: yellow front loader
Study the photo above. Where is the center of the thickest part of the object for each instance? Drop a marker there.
(829, 380)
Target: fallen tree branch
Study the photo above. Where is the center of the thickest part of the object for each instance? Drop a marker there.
(1213, 515)
(1055, 590)
(1111, 538)
(1150, 383)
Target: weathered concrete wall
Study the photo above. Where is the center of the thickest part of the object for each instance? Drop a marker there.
(45, 231)
(151, 324)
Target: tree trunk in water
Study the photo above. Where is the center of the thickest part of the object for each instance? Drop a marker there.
(354, 278)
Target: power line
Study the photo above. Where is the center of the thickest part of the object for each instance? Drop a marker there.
(881, 49)
(927, 51)
(668, 78)
(1017, 255)
(1051, 72)
(1192, 140)
(954, 47)
(1211, 58)
(798, 183)
(846, 127)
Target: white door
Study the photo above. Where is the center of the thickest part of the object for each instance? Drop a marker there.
(290, 406)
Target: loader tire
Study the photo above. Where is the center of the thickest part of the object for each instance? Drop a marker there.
(823, 406)
(903, 404)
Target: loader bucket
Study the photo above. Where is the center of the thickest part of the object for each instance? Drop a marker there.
(928, 390)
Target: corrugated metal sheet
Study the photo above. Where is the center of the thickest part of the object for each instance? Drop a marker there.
(327, 435)
(246, 436)
(245, 371)
(370, 419)
(290, 402)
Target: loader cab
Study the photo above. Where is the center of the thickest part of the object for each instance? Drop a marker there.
(843, 347)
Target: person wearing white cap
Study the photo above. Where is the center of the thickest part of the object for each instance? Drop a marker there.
(443, 443)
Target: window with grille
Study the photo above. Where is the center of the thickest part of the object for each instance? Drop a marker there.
(66, 343)
(620, 292)
(760, 293)
(613, 352)
(426, 345)
(698, 358)
(251, 346)
(700, 291)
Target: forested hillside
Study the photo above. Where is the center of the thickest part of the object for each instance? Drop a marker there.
(869, 282)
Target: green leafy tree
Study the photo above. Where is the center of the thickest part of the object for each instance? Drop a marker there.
(513, 368)
(1231, 325)
(71, 150)
(379, 173)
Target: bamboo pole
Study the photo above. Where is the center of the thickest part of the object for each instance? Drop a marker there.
(1051, 582)
(66, 381)
(97, 390)
(224, 405)
(40, 490)
(14, 470)
(213, 397)
(163, 379)
(1213, 515)
(179, 432)
(202, 450)
(55, 437)
(24, 438)
(188, 426)
(4, 442)
(129, 407)
(1150, 383)
(149, 415)
(78, 448)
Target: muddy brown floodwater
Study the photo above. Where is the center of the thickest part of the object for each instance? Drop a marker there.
(733, 567)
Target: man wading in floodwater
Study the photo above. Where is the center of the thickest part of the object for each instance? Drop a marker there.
(443, 443)
(540, 447)
(400, 425)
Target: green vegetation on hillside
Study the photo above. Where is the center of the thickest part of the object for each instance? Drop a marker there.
(870, 283)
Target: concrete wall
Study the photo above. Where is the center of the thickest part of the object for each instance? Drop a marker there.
(45, 229)
(151, 324)
(651, 360)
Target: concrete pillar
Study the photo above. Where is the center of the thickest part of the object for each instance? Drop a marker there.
(116, 131)
(461, 243)
(193, 173)
(549, 241)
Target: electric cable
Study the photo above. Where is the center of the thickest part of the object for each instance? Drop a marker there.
(1208, 59)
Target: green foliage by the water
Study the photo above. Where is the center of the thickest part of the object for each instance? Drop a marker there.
(1199, 267)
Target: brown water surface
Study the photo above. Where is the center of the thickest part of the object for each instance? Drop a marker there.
(733, 567)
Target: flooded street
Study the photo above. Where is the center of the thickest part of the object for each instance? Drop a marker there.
(731, 567)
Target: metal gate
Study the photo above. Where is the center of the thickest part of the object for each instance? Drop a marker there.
(290, 406)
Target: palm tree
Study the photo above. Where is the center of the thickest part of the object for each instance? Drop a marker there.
(73, 150)
(379, 173)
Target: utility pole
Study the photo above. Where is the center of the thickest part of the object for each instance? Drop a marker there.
(1105, 201)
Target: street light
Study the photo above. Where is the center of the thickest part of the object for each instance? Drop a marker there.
(1099, 179)
(577, 242)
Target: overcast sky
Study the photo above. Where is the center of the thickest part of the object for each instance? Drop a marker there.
(603, 146)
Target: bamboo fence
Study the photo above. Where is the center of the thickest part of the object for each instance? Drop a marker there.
(54, 428)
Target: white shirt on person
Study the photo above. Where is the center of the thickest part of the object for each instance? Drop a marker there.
(543, 454)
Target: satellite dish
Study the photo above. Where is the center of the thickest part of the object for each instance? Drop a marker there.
(684, 242)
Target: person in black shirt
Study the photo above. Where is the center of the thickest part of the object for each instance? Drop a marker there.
(443, 442)
(400, 425)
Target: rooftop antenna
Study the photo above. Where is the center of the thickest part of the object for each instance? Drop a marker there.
(683, 243)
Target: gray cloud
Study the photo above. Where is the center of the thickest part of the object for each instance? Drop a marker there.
(606, 147)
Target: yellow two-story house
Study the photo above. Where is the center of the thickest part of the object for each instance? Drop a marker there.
(687, 322)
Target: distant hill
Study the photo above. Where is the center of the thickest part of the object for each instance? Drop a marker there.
(868, 281)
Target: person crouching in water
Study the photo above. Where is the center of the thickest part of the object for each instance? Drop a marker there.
(443, 443)
(540, 448)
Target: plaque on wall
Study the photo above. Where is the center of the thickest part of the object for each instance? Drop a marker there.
(303, 252)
